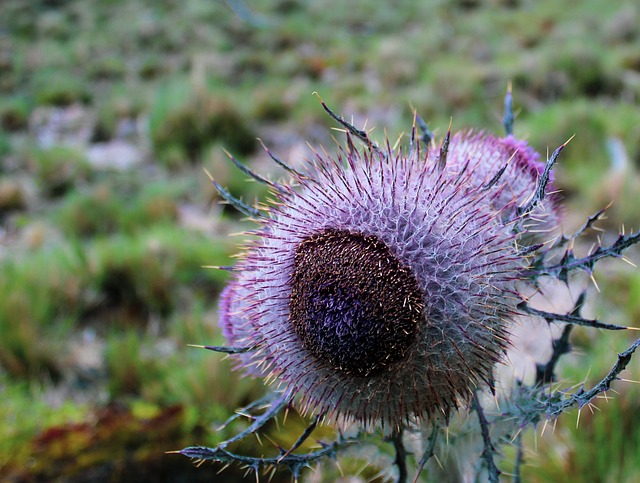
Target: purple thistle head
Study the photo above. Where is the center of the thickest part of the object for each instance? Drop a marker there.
(380, 284)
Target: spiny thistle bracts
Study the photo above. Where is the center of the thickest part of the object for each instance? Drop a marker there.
(381, 282)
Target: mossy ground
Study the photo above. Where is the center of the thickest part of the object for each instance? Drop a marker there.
(110, 110)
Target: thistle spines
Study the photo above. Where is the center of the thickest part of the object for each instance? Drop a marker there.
(246, 170)
(541, 189)
(237, 203)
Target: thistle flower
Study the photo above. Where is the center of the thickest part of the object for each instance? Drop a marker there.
(380, 283)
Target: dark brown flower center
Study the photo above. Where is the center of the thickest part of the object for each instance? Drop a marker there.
(353, 303)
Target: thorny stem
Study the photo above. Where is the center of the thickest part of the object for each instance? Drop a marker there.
(295, 462)
(260, 179)
(401, 456)
(489, 449)
(517, 466)
(528, 249)
(444, 148)
(545, 374)
(489, 184)
(281, 163)
(429, 452)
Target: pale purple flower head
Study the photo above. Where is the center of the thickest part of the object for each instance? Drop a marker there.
(487, 155)
(380, 283)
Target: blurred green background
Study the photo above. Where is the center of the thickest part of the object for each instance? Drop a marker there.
(109, 111)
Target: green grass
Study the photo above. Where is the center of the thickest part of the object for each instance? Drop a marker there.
(111, 207)
(42, 296)
(142, 275)
(20, 426)
(185, 119)
(14, 113)
(57, 169)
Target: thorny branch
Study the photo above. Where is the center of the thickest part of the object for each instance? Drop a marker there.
(569, 318)
(259, 421)
(570, 263)
(564, 239)
(305, 435)
(426, 136)
(489, 449)
(245, 411)
(237, 203)
(582, 397)
(294, 462)
(529, 404)
(541, 190)
(286, 457)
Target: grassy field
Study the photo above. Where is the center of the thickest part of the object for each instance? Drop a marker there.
(110, 110)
